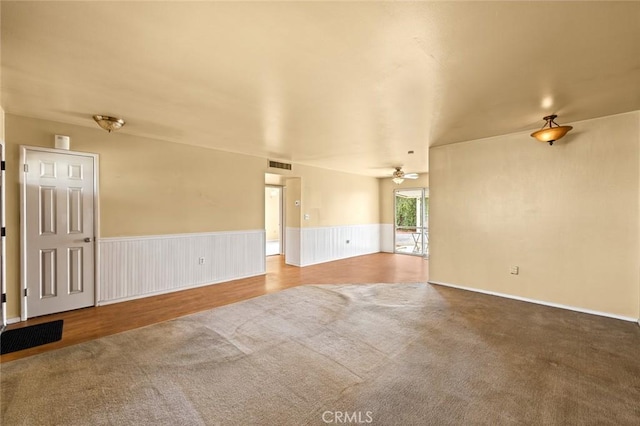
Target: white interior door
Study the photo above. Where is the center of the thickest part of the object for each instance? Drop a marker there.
(58, 229)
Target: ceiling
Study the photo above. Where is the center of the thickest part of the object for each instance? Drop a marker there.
(339, 85)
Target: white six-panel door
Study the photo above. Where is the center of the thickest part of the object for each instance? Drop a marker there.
(58, 231)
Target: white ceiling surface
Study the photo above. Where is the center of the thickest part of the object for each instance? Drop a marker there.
(344, 86)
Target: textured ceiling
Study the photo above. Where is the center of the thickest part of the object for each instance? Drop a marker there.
(345, 86)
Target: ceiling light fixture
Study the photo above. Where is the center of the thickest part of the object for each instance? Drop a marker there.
(398, 176)
(110, 124)
(551, 134)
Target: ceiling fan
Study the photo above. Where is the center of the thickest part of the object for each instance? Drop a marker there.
(399, 176)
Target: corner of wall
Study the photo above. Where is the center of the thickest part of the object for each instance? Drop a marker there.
(505, 201)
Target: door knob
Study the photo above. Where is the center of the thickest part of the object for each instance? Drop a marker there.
(87, 240)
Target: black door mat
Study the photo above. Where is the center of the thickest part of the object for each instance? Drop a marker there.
(30, 336)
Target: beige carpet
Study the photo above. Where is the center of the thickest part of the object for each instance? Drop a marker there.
(383, 354)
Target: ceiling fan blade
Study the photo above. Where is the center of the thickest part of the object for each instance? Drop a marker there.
(411, 176)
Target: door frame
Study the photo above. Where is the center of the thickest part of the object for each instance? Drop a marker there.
(3, 243)
(425, 223)
(282, 218)
(24, 149)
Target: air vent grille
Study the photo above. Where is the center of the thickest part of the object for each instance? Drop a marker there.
(279, 165)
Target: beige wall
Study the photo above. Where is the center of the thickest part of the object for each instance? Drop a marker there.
(152, 187)
(332, 198)
(147, 187)
(387, 187)
(274, 179)
(293, 193)
(567, 215)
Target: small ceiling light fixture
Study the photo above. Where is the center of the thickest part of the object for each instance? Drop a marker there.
(551, 134)
(398, 176)
(110, 124)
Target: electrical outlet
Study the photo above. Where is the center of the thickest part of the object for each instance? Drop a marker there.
(515, 270)
(201, 261)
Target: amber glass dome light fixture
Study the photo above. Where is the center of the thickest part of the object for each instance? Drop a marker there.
(551, 134)
(110, 124)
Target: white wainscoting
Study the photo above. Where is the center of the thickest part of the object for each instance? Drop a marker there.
(134, 267)
(324, 244)
(292, 246)
(386, 237)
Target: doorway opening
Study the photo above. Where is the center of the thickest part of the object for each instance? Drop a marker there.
(274, 220)
(411, 219)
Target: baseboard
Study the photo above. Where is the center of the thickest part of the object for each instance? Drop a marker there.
(13, 320)
(538, 302)
(171, 290)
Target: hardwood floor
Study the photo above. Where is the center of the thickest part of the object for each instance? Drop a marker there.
(91, 323)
